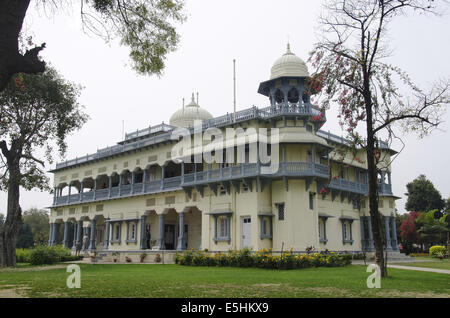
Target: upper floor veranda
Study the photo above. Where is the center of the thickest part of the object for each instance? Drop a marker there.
(143, 163)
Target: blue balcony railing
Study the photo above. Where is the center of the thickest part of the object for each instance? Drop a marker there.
(248, 170)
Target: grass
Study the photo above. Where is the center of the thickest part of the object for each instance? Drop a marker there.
(142, 280)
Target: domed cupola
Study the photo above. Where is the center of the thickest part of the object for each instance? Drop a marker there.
(186, 116)
(289, 65)
(287, 81)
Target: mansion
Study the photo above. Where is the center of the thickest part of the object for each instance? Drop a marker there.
(134, 196)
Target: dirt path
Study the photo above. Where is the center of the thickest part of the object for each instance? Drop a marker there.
(30, 269)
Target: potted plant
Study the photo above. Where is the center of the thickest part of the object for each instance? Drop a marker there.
(158, 258)
(142, 257)
(127, 259)
(93, 255)
(115, 255)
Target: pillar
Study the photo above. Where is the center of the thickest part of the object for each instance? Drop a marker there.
(109, 186)
(55, 234)
(142, 231)
(79, 230)
(394, 233)
(161, 243)
(95, 188)
(363, 234)
(387, 231)
(132, 182)
(120, 184)
(81, 190)
(92, 245)
(107, 231)
(181, 232)
(369, 225)
(215, 229)
(50, 235)
(65, 241)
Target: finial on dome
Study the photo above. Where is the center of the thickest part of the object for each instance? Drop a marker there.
(289, 49)
(193, 98)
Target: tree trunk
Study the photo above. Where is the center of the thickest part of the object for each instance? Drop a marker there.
(10, 229)
(373, 184)
(12, 14)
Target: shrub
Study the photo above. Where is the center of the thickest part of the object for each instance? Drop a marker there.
(438, 251)
(44, 255)
(23, 255)
(263, 259)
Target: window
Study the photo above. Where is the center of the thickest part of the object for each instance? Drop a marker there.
(223, 191)
(311, 201)
(363, 204)
(347, 236)
(117, 232)
(380, 203)
(391, 204)
(322, 230)
(132, 231)
(223, 228)
(244, 187)
(280, 207)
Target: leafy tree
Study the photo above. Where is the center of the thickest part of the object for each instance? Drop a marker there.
(350, 72)
(2, 218)
(432, 230)
(38, 221)
(447, 206)
(423, 196)
(38, 111)
(145, 26)
(408, 230)
(25, 237)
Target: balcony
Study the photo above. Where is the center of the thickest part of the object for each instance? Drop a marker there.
(224, 174)
(236, 172)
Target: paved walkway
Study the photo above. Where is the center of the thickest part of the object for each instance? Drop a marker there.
(423, 269)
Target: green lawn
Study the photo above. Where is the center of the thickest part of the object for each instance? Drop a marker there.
(140, 280)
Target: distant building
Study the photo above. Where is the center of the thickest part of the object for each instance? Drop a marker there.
(133, 196)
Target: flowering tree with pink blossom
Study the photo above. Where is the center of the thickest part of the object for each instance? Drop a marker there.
(350, 74)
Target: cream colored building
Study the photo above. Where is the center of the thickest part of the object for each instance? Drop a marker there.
(134, 196)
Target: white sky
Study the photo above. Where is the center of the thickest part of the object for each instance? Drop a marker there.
(255, 33)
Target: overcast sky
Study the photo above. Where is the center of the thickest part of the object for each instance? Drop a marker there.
(255, 33)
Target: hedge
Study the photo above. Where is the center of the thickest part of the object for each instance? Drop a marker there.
(45, 255)
(262, 259)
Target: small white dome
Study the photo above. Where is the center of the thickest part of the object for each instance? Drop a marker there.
(186, 116)
(289, 65)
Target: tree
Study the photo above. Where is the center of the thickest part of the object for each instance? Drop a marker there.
(408, 230)
(37, 112)
(145, 26)
(432, 230)
(25, 237)
(423, 196)
(350, 71)
(38, 221)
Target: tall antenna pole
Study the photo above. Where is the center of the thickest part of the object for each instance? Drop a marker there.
(234, 89)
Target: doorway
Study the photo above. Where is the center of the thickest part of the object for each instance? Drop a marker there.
(246, 232)
(169, 236)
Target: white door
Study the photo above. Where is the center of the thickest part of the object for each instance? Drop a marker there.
(246, 232)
